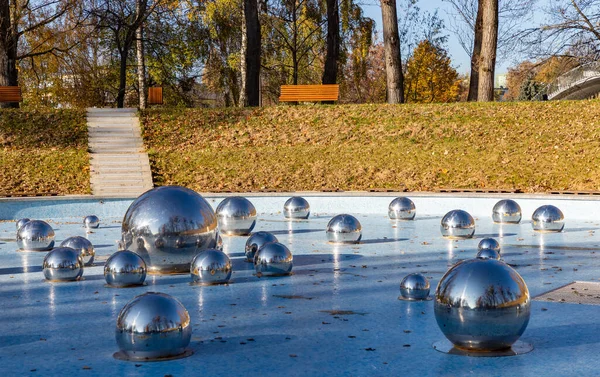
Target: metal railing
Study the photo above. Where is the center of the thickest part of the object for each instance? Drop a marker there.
(575, 77)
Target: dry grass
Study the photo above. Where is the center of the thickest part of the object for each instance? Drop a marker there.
(533, 147)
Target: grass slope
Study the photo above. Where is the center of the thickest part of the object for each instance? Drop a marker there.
(531, 146)
(43, 151)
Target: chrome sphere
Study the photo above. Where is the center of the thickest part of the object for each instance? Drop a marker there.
(414, 287)
(488, 253)
(125, 269)
(402, 208)
(236, 216)
(457, 224)
(344, 229)
(35, 235)
(84, 246)
(273, 259)
(507, 212)
(153, 326)
(22, 222)
(256, 241)
(91, 222)
(482, 305)
(548, 219)
(63, 264)
(211, 267)
(296, 207)
(167, 226)
(488, 243)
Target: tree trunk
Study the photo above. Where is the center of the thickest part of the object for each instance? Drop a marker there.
(393, 62)
(8, 52)
(244, 48)
(489, 42)
(475, 56)
(123, 77)
(141, 61)
(333, 43)
(252, 52)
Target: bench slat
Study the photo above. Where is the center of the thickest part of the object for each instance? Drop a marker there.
(309, 93)
(155, 95)
(10, 94)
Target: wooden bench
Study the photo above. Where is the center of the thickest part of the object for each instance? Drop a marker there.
(309, 93)
(155, 95)
(10, 94)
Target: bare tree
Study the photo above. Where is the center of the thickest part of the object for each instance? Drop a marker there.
(393, 61)
(333, 43)
(489, 41)
(253, 50)
(476, 54)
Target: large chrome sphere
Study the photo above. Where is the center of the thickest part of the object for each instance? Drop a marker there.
(167, 226)
(236, 215)
(91, 222)
(211, 267)
(256, 241)
(273, 259)
(488, 253)
(457, 224)
(506, 212)
(22, 222)
(125, 269)
(344, 229)
(296, 207)
(482, 305)
(84, 246)
(548, 219)
(35, 235)
(62, 264)
(153, 326)
(402, 208)
(414, 287)
(488, 243)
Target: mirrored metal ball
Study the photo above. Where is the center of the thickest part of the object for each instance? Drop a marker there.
(402, 208)
(457, 224)
(211, 267)
(153, 326)
(488, 243)
(482, 305)
(489, 253)
(167, 226)
(22, 222)
(84, 246)
(414, 287)
(35, 235)
(273, 259)
(256, 241)
(296, 207)
(125, 269)
(236, 216)
(344, 228)
(548, 218)
(91, 222)
(506, 212)
(62, 264)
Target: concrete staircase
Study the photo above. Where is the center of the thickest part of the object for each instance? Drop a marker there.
(119, 167)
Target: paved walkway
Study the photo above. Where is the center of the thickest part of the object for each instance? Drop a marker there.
(119, 165)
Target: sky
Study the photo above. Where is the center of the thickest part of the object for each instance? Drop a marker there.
(460, 60)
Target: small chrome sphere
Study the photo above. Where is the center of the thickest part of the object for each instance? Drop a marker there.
(402, 208)
(62, 264)
(256, 241)
(507, 212)
(482, 305)
(344, 229)
(125, 269)
(414, 287)
(91, 222)
(457, 224)
(211, 267)
(273, 259)
(84, 246)
(153, 326)
(35, 235)
(548, 218)
(236, 216)
(167, 226)
(296, 207)
(22, 222)
(488, 253)
(488, 243)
